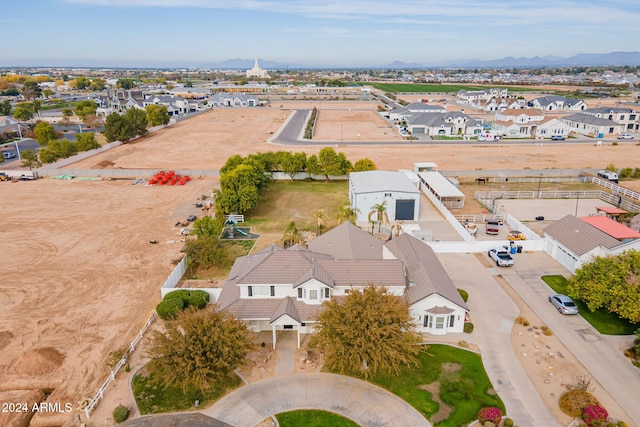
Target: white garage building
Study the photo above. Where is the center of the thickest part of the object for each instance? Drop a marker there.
(367, 189)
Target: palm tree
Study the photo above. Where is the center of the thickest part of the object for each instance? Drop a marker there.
(319, 215)
(291, 235)
(380, 210)
(396, 228)
(348, 213)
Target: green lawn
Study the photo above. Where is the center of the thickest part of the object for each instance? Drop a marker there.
(313, 418)
(285, 201)
(466, 391)
(153, 397)
(605, 322)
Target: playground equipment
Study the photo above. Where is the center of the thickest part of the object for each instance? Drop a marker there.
(239, 231)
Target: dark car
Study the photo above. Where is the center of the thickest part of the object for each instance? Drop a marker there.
(191, 218)
(563, 304)
(558, 137)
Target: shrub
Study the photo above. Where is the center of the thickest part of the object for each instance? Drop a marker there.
(198, 299)
(595, 416)
(464, 294)
(545, 330)
(468, 327)
(626, 173)
(508, 422)
(622, 424)
(522, 321)
(489, 424)
(489, 413)
(169, 308)
(573, 402)
(120, 414)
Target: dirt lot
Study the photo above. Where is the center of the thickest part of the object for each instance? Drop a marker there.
(206, 141)
(81, 278)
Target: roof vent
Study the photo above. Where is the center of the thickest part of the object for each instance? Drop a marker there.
(411, 283)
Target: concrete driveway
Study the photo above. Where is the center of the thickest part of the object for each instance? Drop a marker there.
(600, 354)
(360, 401)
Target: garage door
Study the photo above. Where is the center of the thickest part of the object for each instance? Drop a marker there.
(404, 209)
(417, 130)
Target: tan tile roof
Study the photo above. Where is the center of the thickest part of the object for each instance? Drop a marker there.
(388, 272)
(348, 241)
(426, 274)
(578, 236)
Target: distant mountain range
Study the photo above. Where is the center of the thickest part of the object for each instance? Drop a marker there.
(582, 59)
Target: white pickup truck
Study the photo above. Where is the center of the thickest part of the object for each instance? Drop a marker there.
(501, 257)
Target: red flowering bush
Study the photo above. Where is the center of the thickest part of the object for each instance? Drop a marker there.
(595, 416)
(490, 413)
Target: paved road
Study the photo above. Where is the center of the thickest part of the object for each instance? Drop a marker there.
(601, 355)
(360, 401)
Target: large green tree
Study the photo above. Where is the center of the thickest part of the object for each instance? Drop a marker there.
(30, 159)
(611, 282)
(364, 165)
(291, 163)
(157, 114)
(85, 107)
(332, 163)
(82, 82)
(23, 113)
(44, 132)
(125, 84)
(57, 149)
(367, 332)
(199, 348)
(5, 108)
(138, 120)
(208, 226)
(117, 128)
(86, 141)
(240, 190)
(205, 251)
(30, 89)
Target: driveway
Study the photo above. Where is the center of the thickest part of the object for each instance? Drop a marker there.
(493, 314)
(360, 401)
(600, 354)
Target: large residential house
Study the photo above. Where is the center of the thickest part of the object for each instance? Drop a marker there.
(445, 124)
(557, 103)
(469, 96)
(498, 104)
(590, 125)
(175, 104)
(283, 289)
(233, 100)
(629, 118)
(8, 125)
(404, 113)
(528, 123)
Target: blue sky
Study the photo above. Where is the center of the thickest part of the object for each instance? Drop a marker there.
(315, 33)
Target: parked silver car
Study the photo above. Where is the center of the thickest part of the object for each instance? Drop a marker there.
(563, 304)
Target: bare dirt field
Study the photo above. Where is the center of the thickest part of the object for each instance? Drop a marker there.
(353, 125)
(80, 278)
(206, 141)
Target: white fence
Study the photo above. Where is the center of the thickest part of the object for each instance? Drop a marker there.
(170, 283)
(447, 215)
(123, 173)
(112, 375)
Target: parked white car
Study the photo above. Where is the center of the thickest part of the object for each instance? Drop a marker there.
(625, 136)
(501, 257)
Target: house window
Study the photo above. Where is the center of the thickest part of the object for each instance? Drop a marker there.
(260, 291)
(451, 320)
(439, 322)
(250, 288)
(303, 324)
(426, 321)
(313, 294)
(287, 327)
(273, 291)
(387, 194)
(326, 292)
(299, 292)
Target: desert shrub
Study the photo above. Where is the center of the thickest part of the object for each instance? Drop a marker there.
(573, 402)
(489, 413)
(522, 321)
(615, 143)
(545, 330)
(622, 424)
(464, 294)
(120, 414)
(595, 416)
(626, 173)
(636, 173)
(468, 327)
(508, 422)
(169, 308)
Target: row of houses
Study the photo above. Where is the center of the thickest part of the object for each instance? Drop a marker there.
(422, 118)
(120, 101)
